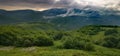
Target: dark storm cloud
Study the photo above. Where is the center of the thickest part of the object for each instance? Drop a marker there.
(32, 4)
(114, 4)
(26, 1)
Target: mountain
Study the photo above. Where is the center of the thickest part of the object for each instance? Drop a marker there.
(69, 18)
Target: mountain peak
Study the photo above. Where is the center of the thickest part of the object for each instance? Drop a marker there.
(65, 12)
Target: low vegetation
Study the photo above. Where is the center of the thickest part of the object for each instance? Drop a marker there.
(85, 41)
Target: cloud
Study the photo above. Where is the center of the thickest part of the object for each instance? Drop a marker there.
(106, 4)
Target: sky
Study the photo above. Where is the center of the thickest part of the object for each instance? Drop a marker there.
(48, 4)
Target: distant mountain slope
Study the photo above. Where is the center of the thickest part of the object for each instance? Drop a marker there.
(62, 17)
(31, 26)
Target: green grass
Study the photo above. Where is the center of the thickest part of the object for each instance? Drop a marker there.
(39, 51)
(51, 51)
(99, 36)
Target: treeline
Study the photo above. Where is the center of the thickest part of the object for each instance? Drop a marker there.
(109, 26)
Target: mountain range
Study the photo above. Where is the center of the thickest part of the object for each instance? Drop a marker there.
(68, 18)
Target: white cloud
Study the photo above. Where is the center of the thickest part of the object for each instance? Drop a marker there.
(107, 4)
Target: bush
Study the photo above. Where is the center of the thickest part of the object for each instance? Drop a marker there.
(110, 41)
(58, 36)
(10, 39)
(43, 41)
(90, 30)
(118, 45)
(7, 39)
(111, 32)
(24, 42)
(36, 41)
(76, 43)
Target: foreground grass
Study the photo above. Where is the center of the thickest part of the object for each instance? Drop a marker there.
(52, 51)
(39, 51)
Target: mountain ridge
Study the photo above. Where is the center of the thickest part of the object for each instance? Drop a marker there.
(61, 17)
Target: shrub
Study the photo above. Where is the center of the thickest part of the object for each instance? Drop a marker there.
(58, 36)
(118, 45)
(7, 38)
(43, 41)
(111, 32)
(110, 41)
(10, 39)
(24, 42)
(90, 30)
(76, 43)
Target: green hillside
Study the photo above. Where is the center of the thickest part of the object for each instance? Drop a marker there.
(42, 39)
